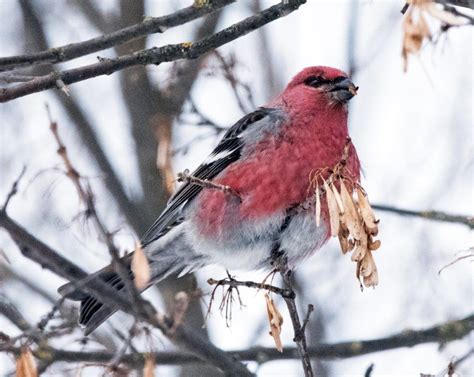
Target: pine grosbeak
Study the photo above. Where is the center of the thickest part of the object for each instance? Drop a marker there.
(266, 159)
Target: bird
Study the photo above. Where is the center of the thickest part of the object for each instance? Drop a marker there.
(239, 205)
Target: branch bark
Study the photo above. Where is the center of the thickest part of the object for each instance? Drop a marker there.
(430, 215)
(42, 254)
(156, 55)
(148, 26)
(441, 333)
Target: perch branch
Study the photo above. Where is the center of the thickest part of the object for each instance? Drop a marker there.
(42, 254)
(150, 25)
(430, 215)
(441, 333)
(280, 263)
(156, 55)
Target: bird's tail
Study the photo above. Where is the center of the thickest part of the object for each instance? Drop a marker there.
(92, 312)
(173, 255)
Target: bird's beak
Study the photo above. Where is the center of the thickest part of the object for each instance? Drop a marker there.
(343, 91)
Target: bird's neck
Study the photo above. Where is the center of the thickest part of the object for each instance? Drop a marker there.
(320, 128)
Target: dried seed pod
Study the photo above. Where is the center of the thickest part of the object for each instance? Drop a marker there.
(25, 364)
(276, 321)
(367, 265)
(374, 245)
(372, 280)
(358, 270)
(149, 367)
(351, 216)
(318, 206)
(344, 229)
(333, 210)
(340, 206)
(360, 250)
(367, 213)
(351, 244)
(343, 241)
(140, 268)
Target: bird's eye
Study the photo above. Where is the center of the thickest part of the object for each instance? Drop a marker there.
(314, 81)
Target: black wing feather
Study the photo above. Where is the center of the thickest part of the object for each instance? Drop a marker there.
(231, 143)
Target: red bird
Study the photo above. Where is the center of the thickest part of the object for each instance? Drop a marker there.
(263, 166)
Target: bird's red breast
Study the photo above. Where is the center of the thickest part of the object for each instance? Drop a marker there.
(277, 176)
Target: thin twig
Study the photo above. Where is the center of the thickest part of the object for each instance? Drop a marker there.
(115, 361)
(14, 190)
(85, 194)
(228, 69)
(205, 183)
(430, 215)
(369, 370)
(251, 284)
(306, 319)
(469, 255)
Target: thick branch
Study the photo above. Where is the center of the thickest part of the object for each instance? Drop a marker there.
(156, 55)
(430, 215)
(148, 26)
(13, 314)
(442, 333)
(34, 249)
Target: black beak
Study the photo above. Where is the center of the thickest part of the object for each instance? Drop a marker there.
(344, 90)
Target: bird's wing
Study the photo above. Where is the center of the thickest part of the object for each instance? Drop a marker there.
(226, 152)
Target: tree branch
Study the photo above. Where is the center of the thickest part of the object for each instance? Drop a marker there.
(441, 333)
(430, 215)
(42, 254)
(251, 284)
(156, 55)
(13, 314)
(148, 26)
(280, 263)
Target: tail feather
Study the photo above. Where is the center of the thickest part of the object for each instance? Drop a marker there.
(172, 256)
(92, 312)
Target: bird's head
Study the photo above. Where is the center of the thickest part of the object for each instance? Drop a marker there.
(324, 85)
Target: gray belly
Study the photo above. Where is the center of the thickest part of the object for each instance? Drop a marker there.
(249, 246)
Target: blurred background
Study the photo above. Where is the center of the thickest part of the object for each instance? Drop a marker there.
(131, 132)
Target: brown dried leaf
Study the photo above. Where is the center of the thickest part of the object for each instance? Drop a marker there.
(25, 364)
(140, 267)
(351, 216)
(367, 213)
(149, 367)
(318, 206)
(276, 321)
(333, 210)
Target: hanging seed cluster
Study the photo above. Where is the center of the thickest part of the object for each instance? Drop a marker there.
(351, 217)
